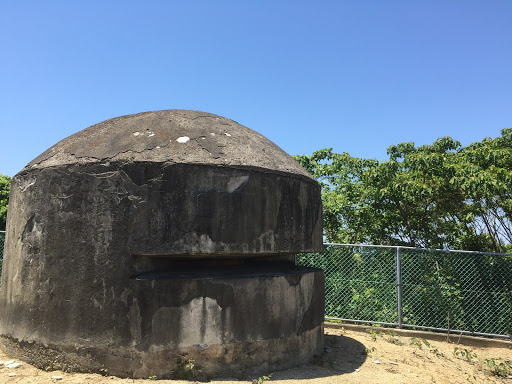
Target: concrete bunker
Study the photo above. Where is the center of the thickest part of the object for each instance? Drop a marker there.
(149, 240)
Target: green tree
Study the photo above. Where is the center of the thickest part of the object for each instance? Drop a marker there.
(434, 196)
(402, 201)
(484, 172)
(415, 204)
(346, 216)
(5, 182)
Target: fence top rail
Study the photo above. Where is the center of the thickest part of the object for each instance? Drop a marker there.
(422, 249)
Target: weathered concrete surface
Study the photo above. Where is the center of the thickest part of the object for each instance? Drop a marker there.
(100, 225)
(172, 196)
(179, 209)
(172, 136)
(253, 322)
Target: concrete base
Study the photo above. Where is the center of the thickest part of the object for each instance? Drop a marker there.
(235, 321)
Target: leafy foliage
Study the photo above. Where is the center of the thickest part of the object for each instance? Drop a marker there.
(2, 242)
(485, 175)
(434, 196)
(5, 182)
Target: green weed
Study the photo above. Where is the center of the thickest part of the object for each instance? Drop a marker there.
(499, 367)
(419, 343)
(186, 370)
(368, 351)
(261, 379)
(373, 334)
(466, 354)
(436, 352)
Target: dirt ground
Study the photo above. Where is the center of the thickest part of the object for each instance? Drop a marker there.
(351, 357)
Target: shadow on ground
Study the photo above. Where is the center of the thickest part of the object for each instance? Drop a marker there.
(343, 355)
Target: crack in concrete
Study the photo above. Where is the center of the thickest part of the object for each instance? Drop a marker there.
(33, 163)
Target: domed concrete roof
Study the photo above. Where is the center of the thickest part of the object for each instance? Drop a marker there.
(171, 136)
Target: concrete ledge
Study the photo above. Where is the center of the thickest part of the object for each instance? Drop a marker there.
(450, 338)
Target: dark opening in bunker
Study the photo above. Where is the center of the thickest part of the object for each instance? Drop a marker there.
(176, 266)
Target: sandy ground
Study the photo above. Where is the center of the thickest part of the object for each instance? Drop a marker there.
(351, 357)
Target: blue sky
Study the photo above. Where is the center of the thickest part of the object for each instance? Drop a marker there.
(357, 76)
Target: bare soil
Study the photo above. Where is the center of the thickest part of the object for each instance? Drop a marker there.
(351, 357)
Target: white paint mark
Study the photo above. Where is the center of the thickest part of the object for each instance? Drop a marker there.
(151, 134)
(227, 134)
(157, 147)
(236, 182)
(24, 184)
(183, 139)
(136, 133)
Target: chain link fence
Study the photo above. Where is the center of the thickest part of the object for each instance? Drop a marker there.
(456, 291)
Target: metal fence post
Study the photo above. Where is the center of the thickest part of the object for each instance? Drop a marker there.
(399, 286)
